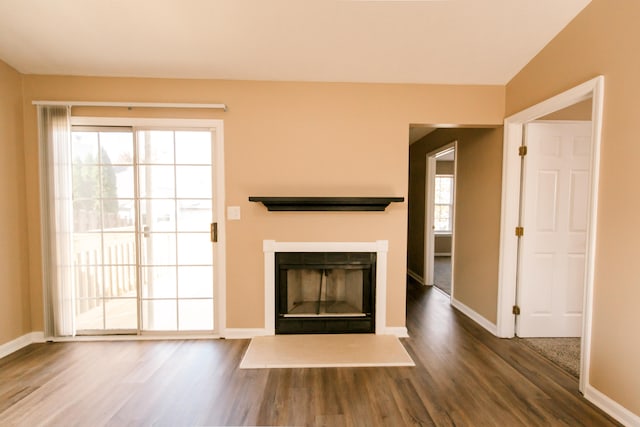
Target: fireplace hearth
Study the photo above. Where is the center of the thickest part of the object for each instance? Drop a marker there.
(325, 292)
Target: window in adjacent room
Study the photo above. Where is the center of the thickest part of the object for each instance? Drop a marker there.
(443, 208)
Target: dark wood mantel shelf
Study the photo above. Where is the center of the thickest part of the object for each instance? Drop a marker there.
(326, 203)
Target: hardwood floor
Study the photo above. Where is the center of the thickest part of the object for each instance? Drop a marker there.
(464, 377)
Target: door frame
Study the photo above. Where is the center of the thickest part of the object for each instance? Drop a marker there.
(429, 234)
(219, 201)
(513, 125)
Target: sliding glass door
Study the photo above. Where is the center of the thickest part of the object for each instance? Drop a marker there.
(143, 215)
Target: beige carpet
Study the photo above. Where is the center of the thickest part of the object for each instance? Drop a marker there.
(565, 352)
(325, 351)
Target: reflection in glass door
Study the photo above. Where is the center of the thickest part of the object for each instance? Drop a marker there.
(142, 205)
(175, 216)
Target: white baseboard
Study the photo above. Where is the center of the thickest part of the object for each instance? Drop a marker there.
(245, 333)
(150, 337)
(415, 276)
(398, 331)
(611, 407)
(479, 319)
(20, 342)
(37, 337)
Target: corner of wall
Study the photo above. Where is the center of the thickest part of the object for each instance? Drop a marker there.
(21, 342)
(475, 316)
(14, 292)
(27, 291)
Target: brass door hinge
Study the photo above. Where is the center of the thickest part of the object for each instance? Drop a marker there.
(516, 310)
(522, 150)
(214, 232)
(519, 231)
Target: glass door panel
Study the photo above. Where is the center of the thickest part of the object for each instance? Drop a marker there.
(159, 315)
(195, 314)
(194, 215)
(104, 230)
(175, 208)
(194, 282)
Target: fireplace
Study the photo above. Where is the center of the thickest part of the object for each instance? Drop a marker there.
(325, 292)
(379, 270)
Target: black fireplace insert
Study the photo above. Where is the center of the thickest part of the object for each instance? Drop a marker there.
(325, 292)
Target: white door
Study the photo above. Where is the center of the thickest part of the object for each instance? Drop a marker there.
(555, 206)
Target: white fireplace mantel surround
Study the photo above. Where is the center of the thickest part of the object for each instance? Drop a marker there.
(380, 247)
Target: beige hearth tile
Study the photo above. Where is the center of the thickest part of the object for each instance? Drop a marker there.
(335, 350)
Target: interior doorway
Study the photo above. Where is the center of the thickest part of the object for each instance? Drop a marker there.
(515, 194)
(554, 209)
(439, 217)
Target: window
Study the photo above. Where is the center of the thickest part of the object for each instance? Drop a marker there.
(443, 207)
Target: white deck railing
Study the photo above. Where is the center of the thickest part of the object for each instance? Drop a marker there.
(111, 275)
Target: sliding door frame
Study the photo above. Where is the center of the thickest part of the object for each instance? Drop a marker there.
(219, 250)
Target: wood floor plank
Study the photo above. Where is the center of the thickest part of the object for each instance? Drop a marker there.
(463, 376)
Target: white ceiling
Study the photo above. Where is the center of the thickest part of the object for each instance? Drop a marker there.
(410, 41)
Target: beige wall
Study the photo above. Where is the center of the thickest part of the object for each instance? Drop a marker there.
(477, 222)
(579, 111)
(287, 139)
(14, 280)
(477, 217)
(603, 39)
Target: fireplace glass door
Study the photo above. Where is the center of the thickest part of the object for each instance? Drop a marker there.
(325, 292)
